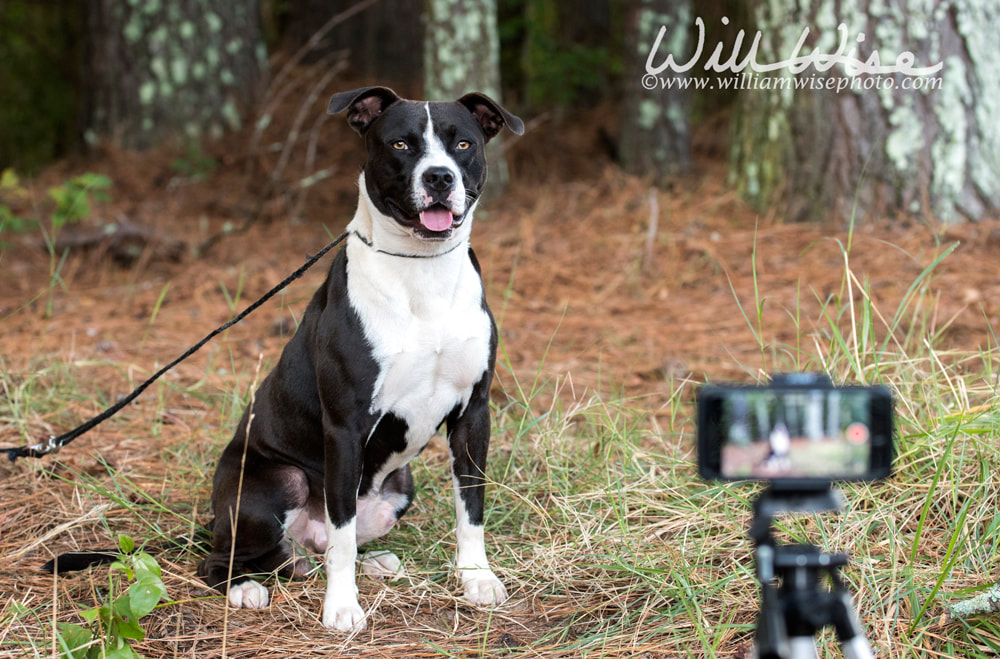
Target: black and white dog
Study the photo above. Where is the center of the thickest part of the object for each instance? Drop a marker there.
(396, 343)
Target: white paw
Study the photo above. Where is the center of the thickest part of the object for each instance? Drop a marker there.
(482, 588)
(248, 595)
(344, 617)
(382, 565)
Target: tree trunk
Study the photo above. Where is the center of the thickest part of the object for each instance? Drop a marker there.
(461, 49)
(174, 69)
(886, 143)
(462, 55)
(655, 122)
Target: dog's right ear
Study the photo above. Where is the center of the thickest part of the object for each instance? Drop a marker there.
(363, 105)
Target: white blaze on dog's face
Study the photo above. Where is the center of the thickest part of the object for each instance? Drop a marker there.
(436, 182)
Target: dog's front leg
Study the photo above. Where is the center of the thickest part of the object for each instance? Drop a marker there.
(341, 610)
(468, 441)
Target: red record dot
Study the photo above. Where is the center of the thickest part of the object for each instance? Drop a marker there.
(857, 433)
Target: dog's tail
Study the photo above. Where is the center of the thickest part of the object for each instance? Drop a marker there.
(74, 561)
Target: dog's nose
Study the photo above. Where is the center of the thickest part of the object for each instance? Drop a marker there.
(439, 179)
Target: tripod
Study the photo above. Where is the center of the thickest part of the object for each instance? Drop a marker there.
(792, 613)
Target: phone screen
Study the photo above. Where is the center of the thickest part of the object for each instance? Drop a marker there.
(798, 433)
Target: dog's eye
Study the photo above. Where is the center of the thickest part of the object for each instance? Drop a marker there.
(400, 145)
(463, 145)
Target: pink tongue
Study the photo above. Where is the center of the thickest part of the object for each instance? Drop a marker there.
(436, 219)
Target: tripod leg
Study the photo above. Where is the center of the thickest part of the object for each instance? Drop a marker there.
(802, 647)
(849, 630)
(857, 648)
(771, 641)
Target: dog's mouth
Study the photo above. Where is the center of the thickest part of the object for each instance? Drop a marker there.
(436, 222)
(436, 218)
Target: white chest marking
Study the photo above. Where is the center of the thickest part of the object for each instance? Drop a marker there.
(428, 332)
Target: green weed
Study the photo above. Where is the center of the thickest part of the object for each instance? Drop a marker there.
(111, 627)
(69, 202)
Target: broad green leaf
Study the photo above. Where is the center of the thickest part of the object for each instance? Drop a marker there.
(90, 615)
(122, 567)
(146, 564)
(72, 639)
(126, 621)
(126, 544)
(145, 594)
(122, 652)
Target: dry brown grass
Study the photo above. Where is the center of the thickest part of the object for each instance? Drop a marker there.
(609, 543)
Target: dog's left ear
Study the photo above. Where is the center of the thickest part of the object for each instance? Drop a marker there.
(491, 115)
(364, 105)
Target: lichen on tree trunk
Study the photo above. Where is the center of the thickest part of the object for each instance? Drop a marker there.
(162, 69)
(655, 123)
(894, 144)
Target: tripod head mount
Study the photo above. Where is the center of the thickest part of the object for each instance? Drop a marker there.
(777, 500)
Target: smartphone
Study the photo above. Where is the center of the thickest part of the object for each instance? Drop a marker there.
(795, 435)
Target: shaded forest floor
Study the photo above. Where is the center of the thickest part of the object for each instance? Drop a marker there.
(593, 296)
(580, 281)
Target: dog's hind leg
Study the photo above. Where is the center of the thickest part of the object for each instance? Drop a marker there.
(227, 570)
(260, 545)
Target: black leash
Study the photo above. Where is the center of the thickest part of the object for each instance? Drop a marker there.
(53, 444)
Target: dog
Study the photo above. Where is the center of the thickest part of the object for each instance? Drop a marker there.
(397, 342)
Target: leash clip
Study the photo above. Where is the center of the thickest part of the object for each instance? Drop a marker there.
(48, 447)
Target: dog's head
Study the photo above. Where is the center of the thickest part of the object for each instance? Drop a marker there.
(426, 162)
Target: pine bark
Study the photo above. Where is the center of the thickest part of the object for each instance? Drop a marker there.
(169, 69)
(655, 123)
(461, 49)
(876, 148)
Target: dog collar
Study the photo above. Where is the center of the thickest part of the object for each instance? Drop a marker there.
(371, 245)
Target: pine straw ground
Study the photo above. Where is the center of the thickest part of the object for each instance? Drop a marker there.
(609, 543)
